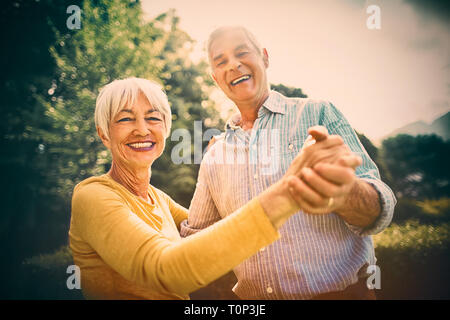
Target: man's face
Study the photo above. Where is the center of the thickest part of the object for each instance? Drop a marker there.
(238, 68)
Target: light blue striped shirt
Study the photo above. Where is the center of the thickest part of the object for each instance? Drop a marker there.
(316, 253)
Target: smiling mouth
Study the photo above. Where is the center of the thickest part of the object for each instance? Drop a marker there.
(240, 79)
(142, 146)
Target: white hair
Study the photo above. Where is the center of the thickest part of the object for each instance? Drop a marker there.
(221, 30)
(116, 95)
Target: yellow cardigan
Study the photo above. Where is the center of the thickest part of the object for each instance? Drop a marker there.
(127, 248)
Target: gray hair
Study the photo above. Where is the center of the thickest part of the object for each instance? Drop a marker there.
(221, 30)
(116, 95)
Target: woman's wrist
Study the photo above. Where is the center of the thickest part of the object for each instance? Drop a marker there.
(278, 203)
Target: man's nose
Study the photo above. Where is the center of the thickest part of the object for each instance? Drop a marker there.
(234, 64)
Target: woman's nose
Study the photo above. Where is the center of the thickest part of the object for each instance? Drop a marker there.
(141, 128)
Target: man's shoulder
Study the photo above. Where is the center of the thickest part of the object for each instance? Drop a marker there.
(296, 104)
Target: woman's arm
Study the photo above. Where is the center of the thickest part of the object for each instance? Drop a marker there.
(142, 255)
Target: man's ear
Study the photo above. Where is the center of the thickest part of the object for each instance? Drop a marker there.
(265, 57)
(103, 137)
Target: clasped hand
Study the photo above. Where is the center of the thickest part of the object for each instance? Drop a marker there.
(322, 176)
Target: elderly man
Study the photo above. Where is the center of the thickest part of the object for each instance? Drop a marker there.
(324, 249)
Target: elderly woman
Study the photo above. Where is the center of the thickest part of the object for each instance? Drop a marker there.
(124, 233)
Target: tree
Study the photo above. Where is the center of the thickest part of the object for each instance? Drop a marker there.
(27, 31)
(288, 91)
(418, 165)
(374, 154)
(116, 43)
(50, 83)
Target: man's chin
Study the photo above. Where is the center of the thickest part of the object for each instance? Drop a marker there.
(243, 96)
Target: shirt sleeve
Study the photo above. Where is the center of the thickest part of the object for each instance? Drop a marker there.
(178, 212)
(142, 255)
(336, 123)
(202, 211)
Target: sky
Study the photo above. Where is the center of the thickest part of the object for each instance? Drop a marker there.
(381, 79)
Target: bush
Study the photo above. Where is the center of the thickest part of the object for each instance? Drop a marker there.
(427, 211)
(44, 277)
(414, 260)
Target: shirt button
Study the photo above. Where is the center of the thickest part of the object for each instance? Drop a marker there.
(255, 176)
(291, 146)
(269, 290)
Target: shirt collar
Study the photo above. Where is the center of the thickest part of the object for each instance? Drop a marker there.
(272, 104)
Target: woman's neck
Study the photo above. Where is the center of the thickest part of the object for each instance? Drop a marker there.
(136, 181)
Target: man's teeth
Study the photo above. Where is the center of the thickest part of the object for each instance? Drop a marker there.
(141, 145)
(235, 82)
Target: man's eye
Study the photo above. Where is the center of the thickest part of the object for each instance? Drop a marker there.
(243, 53)
(154, 119)
(221, 63)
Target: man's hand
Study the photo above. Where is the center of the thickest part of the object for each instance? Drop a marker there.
(320, 147)
(320, 180)
(330, 185)
(325, 182)
(327, 175)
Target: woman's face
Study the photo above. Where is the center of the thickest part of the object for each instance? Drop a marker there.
(136, 135)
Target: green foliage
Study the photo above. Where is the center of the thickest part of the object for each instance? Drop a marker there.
(45, 277)
(49, 83)
(49, 137)
(428, 211)
(115, 43)
(414, 260)
(413, 235)
(288, 91)
(418, 165)
(60, 258)
(374, 154)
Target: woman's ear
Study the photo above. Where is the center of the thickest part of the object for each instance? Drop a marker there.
(103, 137)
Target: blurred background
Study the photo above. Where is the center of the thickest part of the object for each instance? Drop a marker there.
(391, 83)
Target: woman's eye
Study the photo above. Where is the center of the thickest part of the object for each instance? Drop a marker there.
(124, 119)
(221, 63)
(243, 53)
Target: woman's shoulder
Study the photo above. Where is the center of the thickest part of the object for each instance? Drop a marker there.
(94, 182)
(159, 193)
(96, 187)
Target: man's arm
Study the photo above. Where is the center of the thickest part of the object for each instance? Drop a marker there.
(202, 211)
(362, 205)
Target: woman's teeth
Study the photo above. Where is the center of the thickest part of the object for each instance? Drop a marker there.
(141, 145)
